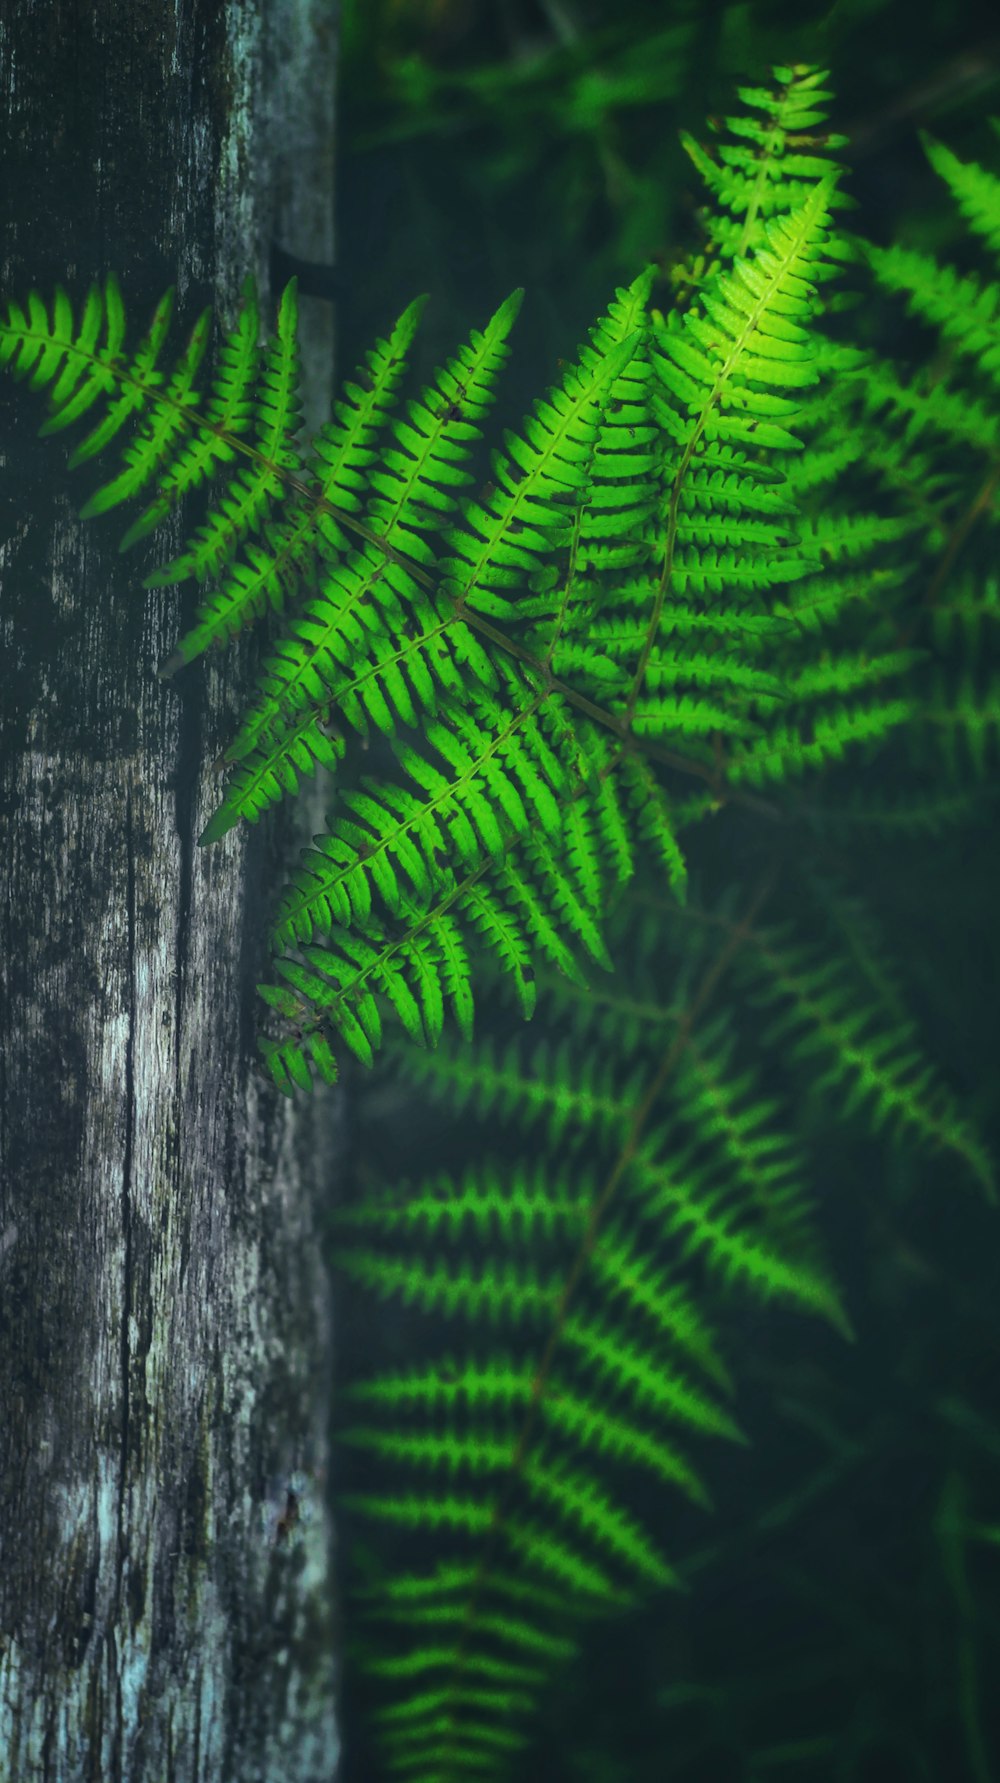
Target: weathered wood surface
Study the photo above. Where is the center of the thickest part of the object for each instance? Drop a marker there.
(164, 1314)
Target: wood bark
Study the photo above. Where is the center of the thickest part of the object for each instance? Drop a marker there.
(165, 1325)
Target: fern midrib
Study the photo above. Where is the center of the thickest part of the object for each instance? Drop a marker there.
(303, 722)
(333, 1002)
(764, 156)
(446, 796)
(427, 918)
(567, 593)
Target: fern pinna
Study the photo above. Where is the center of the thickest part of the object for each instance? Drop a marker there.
(659, 606)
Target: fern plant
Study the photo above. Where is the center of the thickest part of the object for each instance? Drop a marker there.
(669, 601)
(575, 644)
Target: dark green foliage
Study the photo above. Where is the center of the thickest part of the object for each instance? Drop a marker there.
(620, 597)
(708, 586)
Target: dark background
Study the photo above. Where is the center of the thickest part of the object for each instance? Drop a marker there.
(843, 1623)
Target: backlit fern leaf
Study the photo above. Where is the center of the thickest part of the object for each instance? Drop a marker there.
(774, 164)
(342, 454)
(547, 636)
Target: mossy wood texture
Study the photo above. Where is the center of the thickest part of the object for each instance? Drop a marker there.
(164, 1316)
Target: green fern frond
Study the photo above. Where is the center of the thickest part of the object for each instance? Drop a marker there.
(550, 1086)
(975, 190)
(878, 1068)
(156, 439)
(46, 350)
(762, 1163)
(965, 724)
(416, 970)
(274, 770)
(274, 421)
(222, 427)
(465, 812)
(462, 1414)
(944, 405)
(607, 1359)
(342, 454)
(547, 466)
(725, 374)
(792, 749)
(961, 305)
(387, 637)
(370, 596)
(691, 1203)
(774, 163)
(923, 406)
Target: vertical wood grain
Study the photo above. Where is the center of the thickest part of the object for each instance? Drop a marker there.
(164, 1313)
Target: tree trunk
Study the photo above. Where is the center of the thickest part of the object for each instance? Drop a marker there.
(164, 1310)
